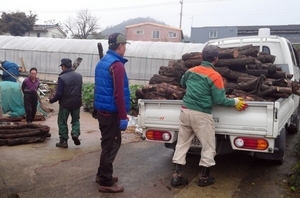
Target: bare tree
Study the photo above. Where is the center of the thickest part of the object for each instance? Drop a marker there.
(82, 25)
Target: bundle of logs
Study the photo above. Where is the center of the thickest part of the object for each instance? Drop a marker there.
(246, 73)
(16, 134)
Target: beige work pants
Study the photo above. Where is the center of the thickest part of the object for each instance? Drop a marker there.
(202, 125)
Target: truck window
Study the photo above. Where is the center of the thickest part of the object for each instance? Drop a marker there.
(292, 54)
(266, 50)
(296, 56)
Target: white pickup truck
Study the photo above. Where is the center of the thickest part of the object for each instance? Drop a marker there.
(260, 130)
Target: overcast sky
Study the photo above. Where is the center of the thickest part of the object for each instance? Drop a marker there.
(195, 13)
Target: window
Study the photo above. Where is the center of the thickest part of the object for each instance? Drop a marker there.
(140, 32)
(38, 34)
(213, 34)
(155, 34)
(292, 54)
(172, 35)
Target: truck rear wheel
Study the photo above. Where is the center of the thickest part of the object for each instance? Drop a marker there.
(294, 126)
(278, 155)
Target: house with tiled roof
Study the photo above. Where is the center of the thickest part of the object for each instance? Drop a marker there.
(149, 31)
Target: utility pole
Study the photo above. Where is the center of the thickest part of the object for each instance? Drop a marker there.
(181, 2)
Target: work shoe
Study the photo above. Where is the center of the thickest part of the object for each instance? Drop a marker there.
(62, 144)
(177, 180)
(115, 179)
(75, 139)
(205, 181)
(115, 188)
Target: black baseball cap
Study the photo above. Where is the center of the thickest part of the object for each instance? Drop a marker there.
(66, 62)
(210, 51)
(116, 38)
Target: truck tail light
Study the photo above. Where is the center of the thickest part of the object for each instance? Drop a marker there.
(158, 135)
(251, 143)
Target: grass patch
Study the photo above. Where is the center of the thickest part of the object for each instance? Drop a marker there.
(294, 179)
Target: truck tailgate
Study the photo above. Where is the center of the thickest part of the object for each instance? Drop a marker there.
(260, 118)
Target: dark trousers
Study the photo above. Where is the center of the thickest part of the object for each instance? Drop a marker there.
(109, 126)
(30, 105)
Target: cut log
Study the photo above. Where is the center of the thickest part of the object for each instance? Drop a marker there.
(237, 62)
(225, 53)
(192, 55)
(164, 90)
(257, 72)
(25, 140)
(265, 58)
(231, 75)
(3, 142)
(192, 63)
(157, 79)
(270, 67)
(280, 74)
(249, 51)
(100, 50)
(139, 94)
(170, 72)
(32, 132)
(76, 63)
(247, 96)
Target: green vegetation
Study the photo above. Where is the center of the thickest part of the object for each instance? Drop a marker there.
(133, 100)
(88, 98)
(294, 179)
(17, 23)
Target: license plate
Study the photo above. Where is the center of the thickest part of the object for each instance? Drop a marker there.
(196, 142)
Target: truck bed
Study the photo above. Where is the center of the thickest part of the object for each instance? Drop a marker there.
(260, 118)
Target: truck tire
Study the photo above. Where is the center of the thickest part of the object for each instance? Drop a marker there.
(278, 155)
(293, 128)
(171, 145)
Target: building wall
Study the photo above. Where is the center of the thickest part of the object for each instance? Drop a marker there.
(147, 29)
(204, 34)
(47, 33)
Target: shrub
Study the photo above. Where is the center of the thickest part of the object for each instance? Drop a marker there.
(88, 98)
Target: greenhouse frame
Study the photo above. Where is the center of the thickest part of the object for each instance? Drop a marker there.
(144, 58)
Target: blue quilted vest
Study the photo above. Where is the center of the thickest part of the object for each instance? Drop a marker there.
(104, 90)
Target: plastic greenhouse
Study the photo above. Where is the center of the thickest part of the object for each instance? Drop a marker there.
(144, 58)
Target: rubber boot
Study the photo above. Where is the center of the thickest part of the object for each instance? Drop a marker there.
(177, 179)
(204, 178)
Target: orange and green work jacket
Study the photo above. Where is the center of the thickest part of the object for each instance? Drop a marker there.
(204, 88)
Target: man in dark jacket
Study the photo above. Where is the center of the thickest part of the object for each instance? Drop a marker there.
(112, 102)
(68, 93)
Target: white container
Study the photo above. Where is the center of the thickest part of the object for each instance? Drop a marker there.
(264, 32)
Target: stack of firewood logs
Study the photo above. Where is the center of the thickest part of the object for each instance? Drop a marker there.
(246, 73)
(15, 134)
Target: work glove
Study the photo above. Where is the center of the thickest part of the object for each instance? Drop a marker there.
(123, 124)
(240, 105)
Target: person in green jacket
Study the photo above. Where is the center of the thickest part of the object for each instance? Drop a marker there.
(204, 88)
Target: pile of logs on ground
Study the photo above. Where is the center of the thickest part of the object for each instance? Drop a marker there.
(246, 73)
(15, 133)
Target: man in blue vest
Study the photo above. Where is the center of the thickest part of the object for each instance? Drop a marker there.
(111, 102)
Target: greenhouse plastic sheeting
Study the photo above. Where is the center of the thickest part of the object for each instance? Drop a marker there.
(12, 98)
(144, 57)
